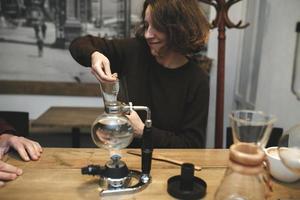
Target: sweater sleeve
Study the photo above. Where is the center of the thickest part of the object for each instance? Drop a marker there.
(192, 132)
(6, 127)
(82, 48)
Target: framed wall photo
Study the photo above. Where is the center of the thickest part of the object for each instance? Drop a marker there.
(35, 35)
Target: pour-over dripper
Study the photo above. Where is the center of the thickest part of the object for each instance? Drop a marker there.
(251, 131)
(251, 126)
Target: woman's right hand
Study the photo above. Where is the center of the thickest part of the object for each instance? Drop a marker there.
(101, 67)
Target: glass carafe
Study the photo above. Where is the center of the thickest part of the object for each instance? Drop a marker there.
(243, 177)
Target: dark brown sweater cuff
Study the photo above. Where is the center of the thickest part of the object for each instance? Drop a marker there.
(6, 127)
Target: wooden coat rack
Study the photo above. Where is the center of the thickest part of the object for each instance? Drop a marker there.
(221, 21)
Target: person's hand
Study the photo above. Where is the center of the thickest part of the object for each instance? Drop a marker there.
(101, 67)
(27, 149)
(103, 136)
(8, 172)
(137, 124)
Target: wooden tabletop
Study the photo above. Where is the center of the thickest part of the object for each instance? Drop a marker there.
(68, 117)
(57, 175)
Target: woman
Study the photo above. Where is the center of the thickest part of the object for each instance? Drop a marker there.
(156, 69)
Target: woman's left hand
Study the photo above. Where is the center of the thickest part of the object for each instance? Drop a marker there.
(137, 124)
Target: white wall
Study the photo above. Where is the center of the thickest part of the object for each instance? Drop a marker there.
(274, 92)
(275, 62)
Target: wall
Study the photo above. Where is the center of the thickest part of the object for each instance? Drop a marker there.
(274, 39)
(274, 92)
(233, 50)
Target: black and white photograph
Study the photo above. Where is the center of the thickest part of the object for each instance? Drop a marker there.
(149, 99)
(35, 35)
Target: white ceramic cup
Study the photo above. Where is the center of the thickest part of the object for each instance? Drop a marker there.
(277, 169)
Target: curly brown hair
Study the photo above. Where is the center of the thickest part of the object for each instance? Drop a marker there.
(183, 22)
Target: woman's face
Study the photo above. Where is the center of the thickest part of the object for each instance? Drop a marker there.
(155, 39)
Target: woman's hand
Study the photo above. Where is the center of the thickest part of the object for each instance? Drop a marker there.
(101, 67)
(27, 149)
(103, 136)
(8, 172)
(137, 124)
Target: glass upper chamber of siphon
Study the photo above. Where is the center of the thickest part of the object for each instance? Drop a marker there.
(111, 130)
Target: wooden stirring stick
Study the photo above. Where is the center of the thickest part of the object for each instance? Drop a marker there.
(162, 158)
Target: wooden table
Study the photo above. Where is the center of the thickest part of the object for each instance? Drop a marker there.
(75, 118)
(57, 175)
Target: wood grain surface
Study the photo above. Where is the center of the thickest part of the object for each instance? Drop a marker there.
(49, 88)
(57, 175)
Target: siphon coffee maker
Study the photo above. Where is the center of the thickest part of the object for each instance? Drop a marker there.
(113, 132)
